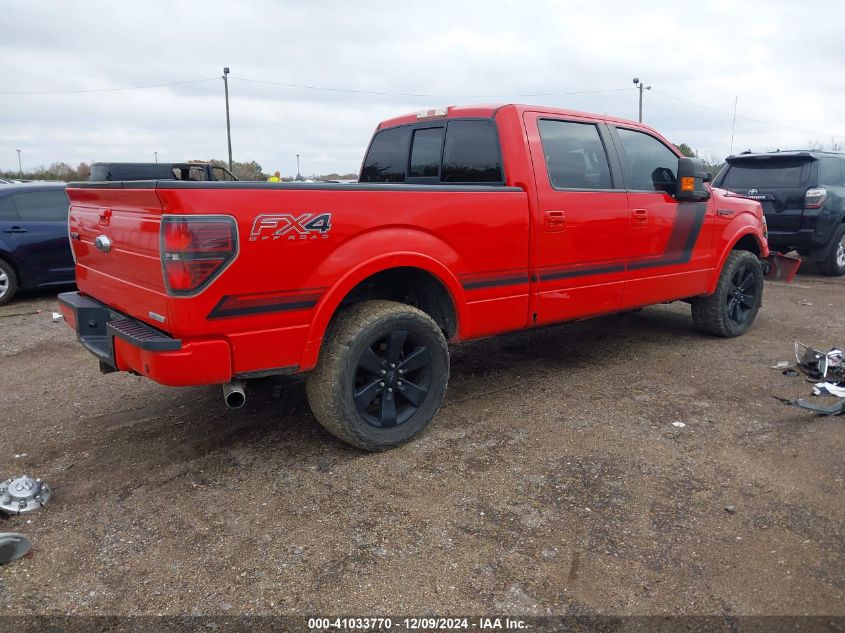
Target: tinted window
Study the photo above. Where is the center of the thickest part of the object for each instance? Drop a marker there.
(780, 172)
(575, 156)
(387, 156)
(42, 205)
(471, 153)
(425, 152)
(653, 166)
(7, 209)
(830, 171)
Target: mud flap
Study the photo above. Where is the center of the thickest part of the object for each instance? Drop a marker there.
(780, 267)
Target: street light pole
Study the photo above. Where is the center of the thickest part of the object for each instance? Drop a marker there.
(228, 125)
(641, 86)
(156, 153)
(20, 169)
(298, 175)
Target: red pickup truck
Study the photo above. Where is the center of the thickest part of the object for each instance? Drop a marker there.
(466, 222)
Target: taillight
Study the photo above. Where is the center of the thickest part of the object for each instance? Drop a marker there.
(195, 249)
(815, 197)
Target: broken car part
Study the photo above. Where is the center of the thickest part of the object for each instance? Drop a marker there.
(818, 364)
(13, 546)
(837, 408)
(23, 494)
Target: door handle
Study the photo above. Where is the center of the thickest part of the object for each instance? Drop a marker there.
(554, 221)
(15, 229)
(639, 217)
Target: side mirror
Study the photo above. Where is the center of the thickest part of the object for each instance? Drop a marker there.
(691, 179)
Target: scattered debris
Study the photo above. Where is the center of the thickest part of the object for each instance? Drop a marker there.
(13, 546)
(680, 425)
(57, 317)
(23, 494)
(781, 364)
(730, 509)
(829, 368)
(804, 302)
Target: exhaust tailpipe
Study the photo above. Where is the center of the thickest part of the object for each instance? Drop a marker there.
(234, 394)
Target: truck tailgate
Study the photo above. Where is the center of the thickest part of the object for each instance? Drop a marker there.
(122, 269)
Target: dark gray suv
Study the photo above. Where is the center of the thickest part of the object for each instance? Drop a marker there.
(803, 198)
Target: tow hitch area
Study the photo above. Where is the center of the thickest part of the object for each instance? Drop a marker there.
(780, 267)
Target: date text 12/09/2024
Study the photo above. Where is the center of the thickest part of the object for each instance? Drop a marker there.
(417, 624)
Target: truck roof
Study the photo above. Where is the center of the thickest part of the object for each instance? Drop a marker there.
(490, 110)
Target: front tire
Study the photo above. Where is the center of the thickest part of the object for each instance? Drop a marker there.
(381, 376)
(834, 264)
(731, 310)
(8, 282)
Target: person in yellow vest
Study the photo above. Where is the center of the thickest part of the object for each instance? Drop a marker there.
(276, 177)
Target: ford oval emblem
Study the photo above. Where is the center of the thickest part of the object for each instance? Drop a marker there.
(102, 243)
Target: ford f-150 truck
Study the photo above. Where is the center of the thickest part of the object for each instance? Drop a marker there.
(466, 222)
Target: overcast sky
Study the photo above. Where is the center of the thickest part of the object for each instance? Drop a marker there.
(785, 60)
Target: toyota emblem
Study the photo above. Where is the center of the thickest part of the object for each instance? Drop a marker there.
(752, 192)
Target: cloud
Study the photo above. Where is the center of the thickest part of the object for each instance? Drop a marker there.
(457, 53)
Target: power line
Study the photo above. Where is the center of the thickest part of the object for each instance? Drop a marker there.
(739, 116)
(420, 94)
(67, 92)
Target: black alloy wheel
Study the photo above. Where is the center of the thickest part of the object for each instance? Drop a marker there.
(742, 296)
(392, 379)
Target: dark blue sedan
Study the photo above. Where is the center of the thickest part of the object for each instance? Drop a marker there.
(34, 244)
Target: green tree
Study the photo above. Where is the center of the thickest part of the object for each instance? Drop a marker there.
(687, 151)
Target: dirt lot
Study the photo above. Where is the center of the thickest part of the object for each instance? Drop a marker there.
(553, 480)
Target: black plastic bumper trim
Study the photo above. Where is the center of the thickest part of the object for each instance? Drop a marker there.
(97, 324)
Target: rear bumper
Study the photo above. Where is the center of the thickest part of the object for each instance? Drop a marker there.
(804, 239)
(122, 343)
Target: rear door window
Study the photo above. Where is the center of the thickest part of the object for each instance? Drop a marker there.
(652, 166)
(575, 155)
(766, 174)
(387, 157)
(831, 171)
(42, 205)
(8, 211)
(471, 153)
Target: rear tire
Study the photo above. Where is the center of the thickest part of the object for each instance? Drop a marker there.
(381, 376)
(834, 264)
(731, 310)
(8, 282)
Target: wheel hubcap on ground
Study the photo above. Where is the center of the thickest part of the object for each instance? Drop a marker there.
(392, 379)
(742, 295)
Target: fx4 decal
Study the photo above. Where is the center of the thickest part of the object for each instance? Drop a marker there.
(276, 226)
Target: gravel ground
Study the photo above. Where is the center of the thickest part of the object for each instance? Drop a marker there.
(552, 482)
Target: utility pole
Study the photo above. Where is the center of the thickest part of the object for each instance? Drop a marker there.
(298, 175)
(20, 169)
(641, 86)
(228, 125)
(156, 153)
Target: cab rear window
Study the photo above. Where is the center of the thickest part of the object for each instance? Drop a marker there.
(460, 151)
(762, 174)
